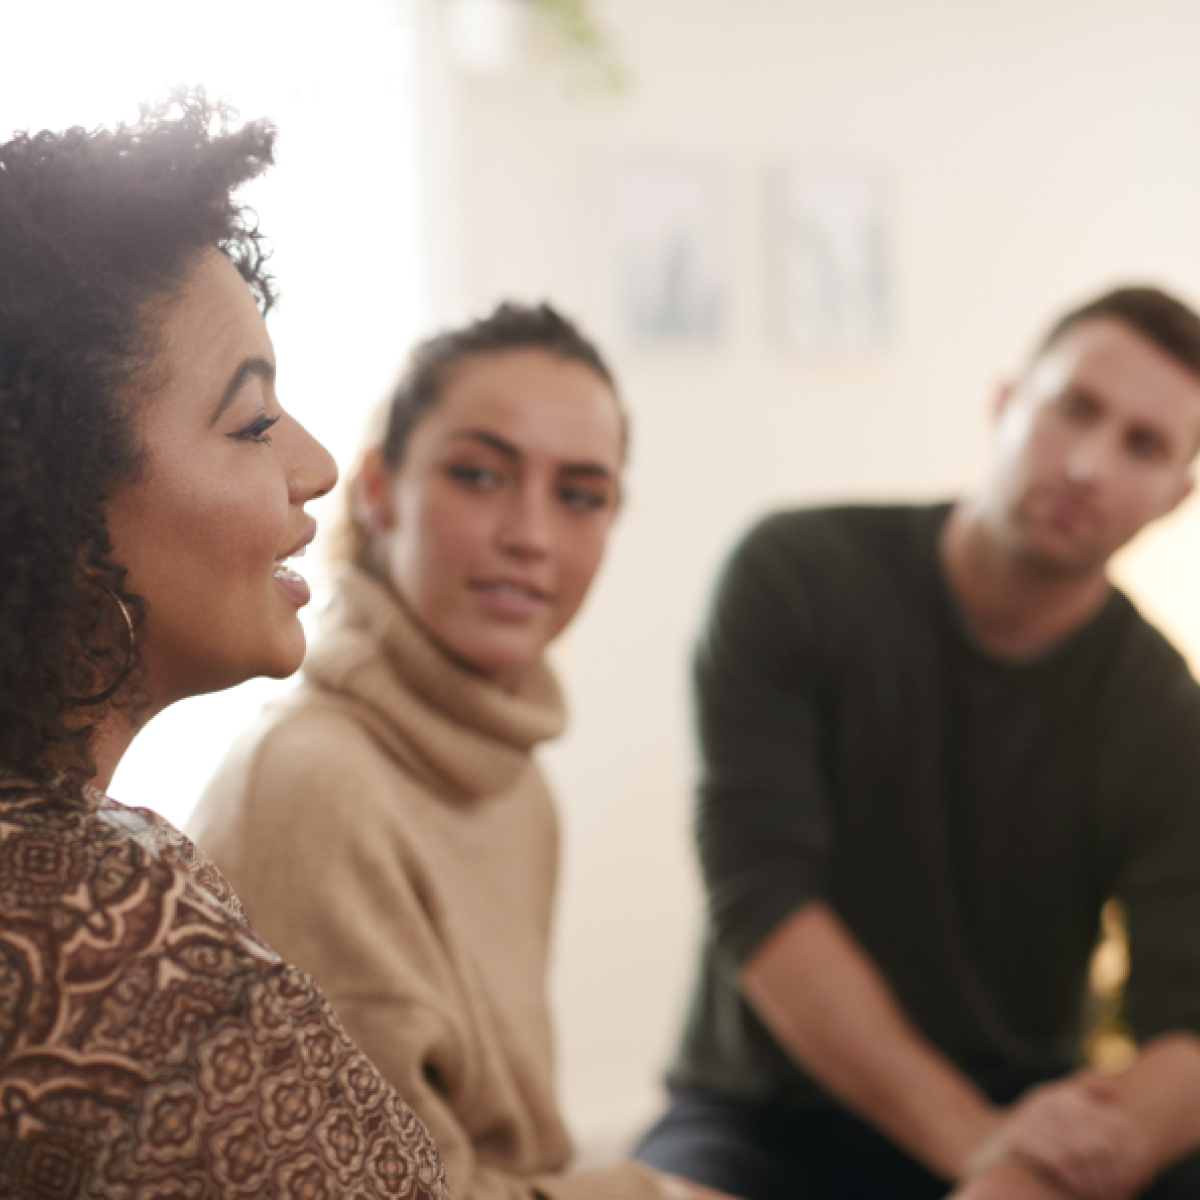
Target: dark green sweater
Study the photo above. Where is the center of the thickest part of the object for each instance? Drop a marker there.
(966, 817)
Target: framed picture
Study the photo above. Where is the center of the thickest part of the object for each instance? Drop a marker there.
(669, 252)
(829, 259)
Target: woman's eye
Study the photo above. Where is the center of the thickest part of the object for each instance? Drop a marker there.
(256, 431)
(478, 478)
(582, 499)
(1076, 408)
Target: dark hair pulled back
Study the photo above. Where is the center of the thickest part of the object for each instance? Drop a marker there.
(94, 225)
(432, 363)
(509, 326)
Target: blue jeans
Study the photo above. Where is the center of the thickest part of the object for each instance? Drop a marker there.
(768, 1152)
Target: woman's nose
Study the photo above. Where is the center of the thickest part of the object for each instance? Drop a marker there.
(313, 472)
(527, 528)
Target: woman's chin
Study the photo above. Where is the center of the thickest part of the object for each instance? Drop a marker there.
(288, 657)
(279, 658)
(497, 651)
(505, 664)
(272, 666)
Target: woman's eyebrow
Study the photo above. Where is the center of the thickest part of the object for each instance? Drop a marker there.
(247, 368)
(490, 440)
(588, 469)
(591, 470)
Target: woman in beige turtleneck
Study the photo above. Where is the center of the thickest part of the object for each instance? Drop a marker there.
(386, 826)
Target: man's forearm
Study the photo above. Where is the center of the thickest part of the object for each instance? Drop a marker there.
(830, 1007)
(1009, 1180)
(1161, 1094)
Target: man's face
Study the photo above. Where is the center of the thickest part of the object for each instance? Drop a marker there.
(1092, 444)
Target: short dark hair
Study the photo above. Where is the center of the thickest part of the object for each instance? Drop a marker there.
(432, 363)
(93, 226)
(1158, 316)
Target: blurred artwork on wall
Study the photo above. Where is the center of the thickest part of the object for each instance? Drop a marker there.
(829, 258)
(669, 252)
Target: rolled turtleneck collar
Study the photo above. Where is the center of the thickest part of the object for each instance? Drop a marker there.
(459, 732)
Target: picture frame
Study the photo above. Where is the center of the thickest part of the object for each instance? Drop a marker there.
(830, 260)
(668, 252)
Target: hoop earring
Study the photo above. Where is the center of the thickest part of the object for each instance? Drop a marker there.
(130, 658)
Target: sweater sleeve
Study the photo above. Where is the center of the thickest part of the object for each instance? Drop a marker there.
(414, 1063)
(333, 894)
(762, 821)
(1160, 879)
(272, 1099)
(413, 1050)
(157, 1049)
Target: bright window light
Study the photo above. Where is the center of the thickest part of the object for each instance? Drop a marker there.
(339, 208)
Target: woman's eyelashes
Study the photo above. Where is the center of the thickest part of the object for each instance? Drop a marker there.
(582, 499)
(576, 497)
(475, 477)
(256, 431)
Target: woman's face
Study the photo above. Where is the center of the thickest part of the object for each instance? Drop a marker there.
(218, 505)
(495, 521)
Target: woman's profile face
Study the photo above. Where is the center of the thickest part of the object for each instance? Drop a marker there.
(495, 522)
(218, 505)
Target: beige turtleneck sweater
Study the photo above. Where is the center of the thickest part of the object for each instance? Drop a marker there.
(387, 831)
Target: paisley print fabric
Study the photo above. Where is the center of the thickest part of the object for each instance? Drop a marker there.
(153, 1048)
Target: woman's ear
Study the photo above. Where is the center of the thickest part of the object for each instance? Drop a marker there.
(372, 494)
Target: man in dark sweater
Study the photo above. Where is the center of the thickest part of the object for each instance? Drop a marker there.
(935, 742)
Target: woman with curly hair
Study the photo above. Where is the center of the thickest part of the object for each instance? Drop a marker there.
(151, 489)
(387, 825)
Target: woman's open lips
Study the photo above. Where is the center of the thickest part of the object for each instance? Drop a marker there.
(292, 582)
(510, 597)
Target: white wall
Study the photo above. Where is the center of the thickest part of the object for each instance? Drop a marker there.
(1037, 150)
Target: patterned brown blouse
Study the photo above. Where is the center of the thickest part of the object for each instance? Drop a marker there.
(153, 1048)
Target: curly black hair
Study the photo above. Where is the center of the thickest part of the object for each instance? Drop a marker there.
(94, 225)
